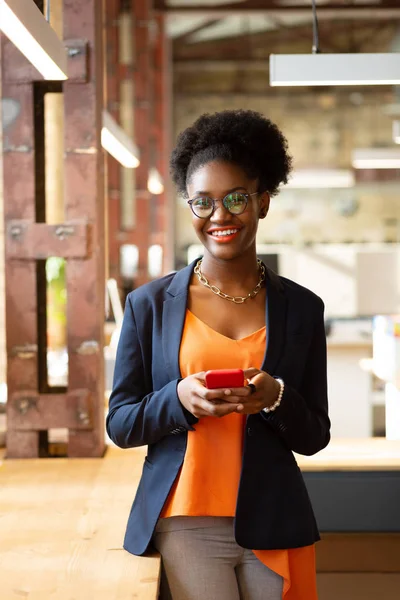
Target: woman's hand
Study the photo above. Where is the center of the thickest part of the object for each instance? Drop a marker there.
(267, 392)
(202, 402)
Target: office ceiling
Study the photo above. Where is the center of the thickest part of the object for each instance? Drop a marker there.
(216, 28)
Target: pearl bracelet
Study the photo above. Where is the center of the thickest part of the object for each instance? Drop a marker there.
(278, 400)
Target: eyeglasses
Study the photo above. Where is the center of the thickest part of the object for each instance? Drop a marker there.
(235, 203)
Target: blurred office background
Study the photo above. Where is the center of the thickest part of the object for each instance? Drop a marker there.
(138, 72)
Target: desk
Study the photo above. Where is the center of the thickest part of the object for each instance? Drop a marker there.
(62, 523)
(359, 454)
(354, 486)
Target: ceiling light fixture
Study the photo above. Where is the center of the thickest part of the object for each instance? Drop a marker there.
(376, 158)
(118, 143)
(155, 183)
(25, 26)
(396, 132)
(333, 69)
(321, 178)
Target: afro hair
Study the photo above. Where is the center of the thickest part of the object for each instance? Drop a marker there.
(244, 137)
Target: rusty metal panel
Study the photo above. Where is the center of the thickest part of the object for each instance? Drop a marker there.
(22, 444)
(21, 302)
(30, 412)
(33, 411)
(29, 241)
(81, 136)
(84, 199)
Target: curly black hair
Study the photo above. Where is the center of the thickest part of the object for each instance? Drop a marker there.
(244, 137)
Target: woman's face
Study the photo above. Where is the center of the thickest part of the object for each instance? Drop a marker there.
(215, 180)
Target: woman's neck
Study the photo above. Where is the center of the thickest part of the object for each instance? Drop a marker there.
(239, 273)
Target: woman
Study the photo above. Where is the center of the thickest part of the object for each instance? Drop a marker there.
(221, 497)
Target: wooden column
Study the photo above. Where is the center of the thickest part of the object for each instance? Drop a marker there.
(164, 222)
(142, 129)
(84, 199)
(136, 217)
(113, 199)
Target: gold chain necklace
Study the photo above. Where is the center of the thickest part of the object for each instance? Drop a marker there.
(236, 299)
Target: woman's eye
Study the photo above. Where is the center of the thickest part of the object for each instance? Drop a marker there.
(236, 199)
(202, 203)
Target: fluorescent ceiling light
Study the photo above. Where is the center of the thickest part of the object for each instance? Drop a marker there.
(23, 23)
(334, 69)
(396, 132)
(155, 184)
(118, 143)
(321, 178)
(376, 158)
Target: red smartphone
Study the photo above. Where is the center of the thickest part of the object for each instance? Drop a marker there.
(224, 378)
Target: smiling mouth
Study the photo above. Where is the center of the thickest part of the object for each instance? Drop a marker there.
(224, 232)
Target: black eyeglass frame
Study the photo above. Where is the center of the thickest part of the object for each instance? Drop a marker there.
(215, 200)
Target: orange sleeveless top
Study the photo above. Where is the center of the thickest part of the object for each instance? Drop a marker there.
(208, 482)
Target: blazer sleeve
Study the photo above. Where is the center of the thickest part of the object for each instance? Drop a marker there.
(136, 417)
(302, 417)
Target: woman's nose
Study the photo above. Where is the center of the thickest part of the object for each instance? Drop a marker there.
(220, 212)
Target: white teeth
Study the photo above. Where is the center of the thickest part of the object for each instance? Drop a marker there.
(225, 232)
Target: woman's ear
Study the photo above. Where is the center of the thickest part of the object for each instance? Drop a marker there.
(264, 205)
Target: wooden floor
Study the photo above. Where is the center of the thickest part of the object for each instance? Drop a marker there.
(62, 523)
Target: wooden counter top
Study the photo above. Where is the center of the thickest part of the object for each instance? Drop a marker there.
(62, 523)
(371, 454)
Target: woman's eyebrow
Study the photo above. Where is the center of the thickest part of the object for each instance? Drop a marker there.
(240, 187)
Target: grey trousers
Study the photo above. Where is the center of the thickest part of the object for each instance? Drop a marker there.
(202, 561)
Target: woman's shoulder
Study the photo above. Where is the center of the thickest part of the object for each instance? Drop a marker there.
(155, 292)
(151, 291)
(301, 294)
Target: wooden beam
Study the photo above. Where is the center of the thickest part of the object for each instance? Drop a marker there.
(262, 7)
(184, 37)
(332, 36)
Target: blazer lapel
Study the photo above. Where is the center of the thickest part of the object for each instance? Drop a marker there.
(173, 319)
(276, 322)
(174, 313)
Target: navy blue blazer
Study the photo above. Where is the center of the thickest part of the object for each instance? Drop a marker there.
(273, 508)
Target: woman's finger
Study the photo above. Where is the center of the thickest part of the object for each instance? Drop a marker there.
(250, 373)
(201, 376)
(206, 394)
(242, 391)
(217, 410)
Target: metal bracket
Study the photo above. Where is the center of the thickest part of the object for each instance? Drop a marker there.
(34, 241)
(32, 411)
(26, 351)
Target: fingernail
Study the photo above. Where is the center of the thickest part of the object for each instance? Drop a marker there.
(227, 392)
(240, 407)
